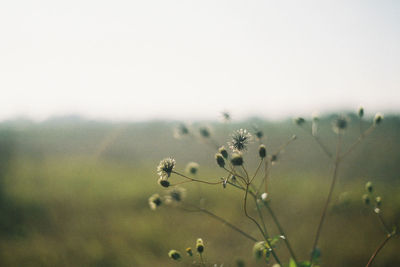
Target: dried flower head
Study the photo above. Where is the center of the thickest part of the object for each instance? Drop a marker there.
(223, 152)
(199, 245)
(192, 168)
(237, 159)
(174, 254)
(240, 139)
(176, 194)
(155, 201)
(205, 132)
(340, 124)
(378, 118)
(165, 167)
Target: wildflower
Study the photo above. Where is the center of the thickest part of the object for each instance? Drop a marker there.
(155, 201)
(340, 124)
(189, 251)
(264, 196)
(237, 159)
(368, 187)
(165, 167)
(360, 112)
(240, 140)
(378, 118)
(299, 121)
(262, 151)
(192, 168)
(174, 254)
(176, 194)
(259, 249)
(163, 182)
(205, 132)
(223, 152)
(199, 245)
(220, 160)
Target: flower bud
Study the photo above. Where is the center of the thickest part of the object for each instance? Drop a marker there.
(366, 199)
(360, 112)
(299, 121)
(259, 249)
(174, 254)
(223, 152)
(199, 245)
(189, 252)
(264, 196)
(378, 201)
(378, 118)
(262, 151)
(163, 182)
(368, 187)
(237, 159)
(220, 160)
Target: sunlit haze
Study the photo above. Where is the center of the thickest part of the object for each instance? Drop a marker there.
(136, 60)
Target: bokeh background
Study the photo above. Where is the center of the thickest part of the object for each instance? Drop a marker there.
(93, 91)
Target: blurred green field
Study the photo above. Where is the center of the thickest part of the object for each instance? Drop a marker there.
(75, 193)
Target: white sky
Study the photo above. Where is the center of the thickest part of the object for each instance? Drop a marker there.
(192, 59)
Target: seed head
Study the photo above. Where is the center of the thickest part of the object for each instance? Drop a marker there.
(237, 159)
(165, 167)
(174, 254)
(378, 118)
(340, 124)
(205, 132)
(369, 187)
(155, 201)
(189, 252)
(360, 112)
(262, 151)
(220, 160)
(378, 201)
(192, 168)
(366, 199)
(163, 182)
(176, 194)
(240, 139)
(199, 245)
(299, 121)
(223, 152)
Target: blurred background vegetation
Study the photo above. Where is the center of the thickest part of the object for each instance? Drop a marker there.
(74, 192)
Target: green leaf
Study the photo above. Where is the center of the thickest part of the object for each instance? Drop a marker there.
(292, 263)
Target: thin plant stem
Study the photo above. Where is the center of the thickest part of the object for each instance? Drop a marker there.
(261, 217)
(197, 180)
(358, 141)
(281, 231)
(386, 229)
(222, 220)
(319, 142)
(201, 259)
(328, 200)
(258, 225)
(258, 168)
(388, 237)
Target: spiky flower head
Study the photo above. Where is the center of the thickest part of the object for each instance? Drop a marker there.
(378, 118)
(262, 151)
(340, 124)
(299, 121)
(369, 187)
(165, 167)
(237, 159)
(223, 152)
(155, 201)
(192, 168)
(220, 160)
(240, 139)
(174, 254)
(176, 194)
(163, 182)
(205, 132)
(360, 112)
(199, 245)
